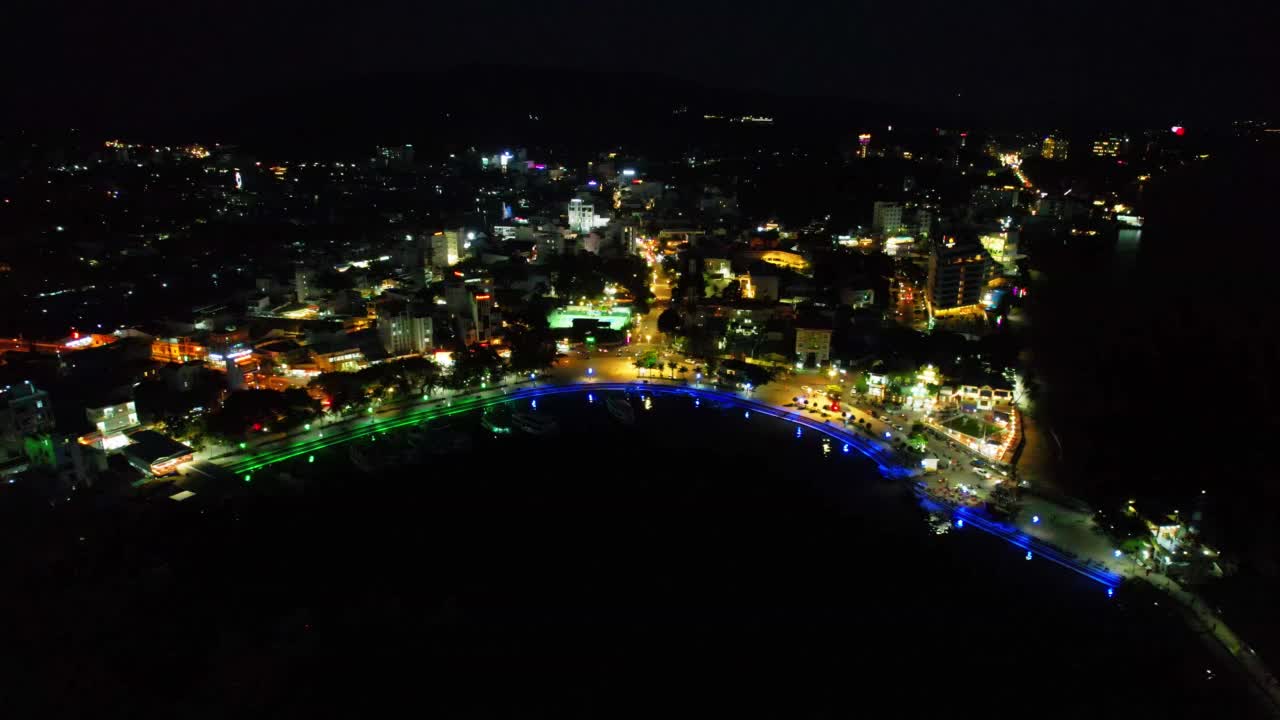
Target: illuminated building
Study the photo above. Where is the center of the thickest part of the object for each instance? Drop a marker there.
(75, 341)
(1053, 148)
(781, 258)
(1107, 146)
(813, 345)
(444, 248)
(303, 283)
(403, 330)
(472, 309)
(957, 274)
(1003, 249)
(155, 454)
(111, 423)
(864, 140)
(177, 350)
(898, 246)
(582, 216)
(998, 199)
(338, 357)
(886, 218)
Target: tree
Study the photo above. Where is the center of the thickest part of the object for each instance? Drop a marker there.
(918, 442)
(247, 410)
(670, 321)
(672, 367)
(475, 365)
(649, 360)
(531, 350)
(418, 375)
(917, 428)
(343, 389)
(683, 370)
(861, 386)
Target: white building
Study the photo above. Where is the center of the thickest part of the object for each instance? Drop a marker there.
(404, 331)
(444, 248)
(111, 422)
(886, 217)
(583, 218)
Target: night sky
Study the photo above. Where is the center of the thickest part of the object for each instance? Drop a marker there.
(1147, 61)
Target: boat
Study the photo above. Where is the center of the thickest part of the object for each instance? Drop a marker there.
(620, 408)
(534, 423)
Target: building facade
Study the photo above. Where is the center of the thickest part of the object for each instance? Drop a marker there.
(444, 248)
(1054, 148)
(958, 272)
(813, 345)
(405, 331)
(583, 218)
(886, 218)
(1107, 146)
(110, 423)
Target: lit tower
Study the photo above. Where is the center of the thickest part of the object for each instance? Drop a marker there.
(863, 141)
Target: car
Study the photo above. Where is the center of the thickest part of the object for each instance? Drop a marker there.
(982, 473)
(978, 464)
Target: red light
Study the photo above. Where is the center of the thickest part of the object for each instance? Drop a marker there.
(75, 334)
(1178, 130)
(257, 427)
(455, 272)
(483, 297)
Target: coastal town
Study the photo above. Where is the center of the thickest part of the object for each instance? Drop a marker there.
(196, 314)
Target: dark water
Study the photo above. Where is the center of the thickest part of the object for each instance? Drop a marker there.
(696, 562)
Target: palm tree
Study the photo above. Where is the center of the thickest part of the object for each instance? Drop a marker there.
(683, 370)
(672, 367)
(639, 366)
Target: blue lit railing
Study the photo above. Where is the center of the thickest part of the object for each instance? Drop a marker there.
(885, 462)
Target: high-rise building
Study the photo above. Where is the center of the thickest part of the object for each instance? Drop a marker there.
(1107, 146)
(886, 217)
(987, 198)
(1053, 148)
(1003, 249)
(582, 216)
(24, 409)
(472, 310)
(303, 283)
(404, 330)
(444, 248)
(958, 271)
